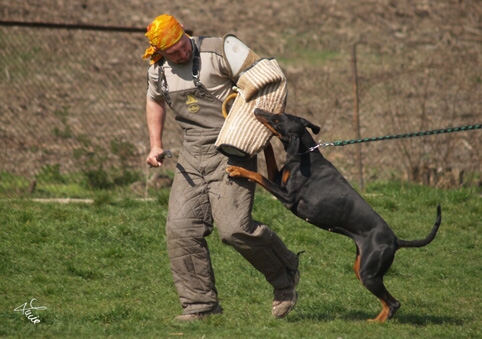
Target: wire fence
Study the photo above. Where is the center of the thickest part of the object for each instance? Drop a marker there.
(72, 111)
(402, 91)
(72, 106)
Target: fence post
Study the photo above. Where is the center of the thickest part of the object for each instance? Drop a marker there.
(356, 117)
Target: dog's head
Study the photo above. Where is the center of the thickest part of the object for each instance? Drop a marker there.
(283, 125)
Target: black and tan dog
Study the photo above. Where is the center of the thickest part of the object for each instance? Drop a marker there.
(313, 189)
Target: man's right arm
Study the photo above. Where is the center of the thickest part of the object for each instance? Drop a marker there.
(156, 117)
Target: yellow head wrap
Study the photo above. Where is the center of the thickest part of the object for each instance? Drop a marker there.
(162, 33)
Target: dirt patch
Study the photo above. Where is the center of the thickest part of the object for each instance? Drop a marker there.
(418, 66)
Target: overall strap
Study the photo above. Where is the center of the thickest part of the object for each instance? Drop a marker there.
(162, 83)
(196, 65)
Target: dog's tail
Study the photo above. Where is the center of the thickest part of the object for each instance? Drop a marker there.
(428, 239)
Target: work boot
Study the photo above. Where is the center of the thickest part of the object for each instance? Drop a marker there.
(285, 299)
(199, 316)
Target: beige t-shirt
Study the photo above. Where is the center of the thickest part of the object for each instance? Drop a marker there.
(222, 61)
(214, 73)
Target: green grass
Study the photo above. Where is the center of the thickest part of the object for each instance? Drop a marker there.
(50, 184)
(311, 57)
(101, 270)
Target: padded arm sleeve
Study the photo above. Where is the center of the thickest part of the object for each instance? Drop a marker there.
(238, 56)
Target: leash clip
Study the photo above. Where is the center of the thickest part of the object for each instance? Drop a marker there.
(321, 144)
(311, 149)
(326, 144)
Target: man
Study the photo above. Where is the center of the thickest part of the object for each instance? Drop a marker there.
(193, 77)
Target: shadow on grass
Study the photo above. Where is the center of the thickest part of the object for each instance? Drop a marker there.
(423, 320)
(327, 317)
(417, 320)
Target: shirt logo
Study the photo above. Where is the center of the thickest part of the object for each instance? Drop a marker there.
(192, 105)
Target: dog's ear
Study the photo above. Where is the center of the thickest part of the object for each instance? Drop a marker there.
(314, 128)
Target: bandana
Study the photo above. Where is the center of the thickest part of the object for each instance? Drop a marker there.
(162, 33)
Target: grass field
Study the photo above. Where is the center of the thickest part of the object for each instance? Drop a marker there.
(101, 270)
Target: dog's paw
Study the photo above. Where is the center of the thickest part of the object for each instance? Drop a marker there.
(233, 171)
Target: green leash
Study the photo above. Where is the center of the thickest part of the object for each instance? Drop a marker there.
(398, 136)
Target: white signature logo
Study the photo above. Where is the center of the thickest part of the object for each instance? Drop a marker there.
(27, 311)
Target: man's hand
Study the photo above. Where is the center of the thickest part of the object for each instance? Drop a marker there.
(159, 158)
(152, 160)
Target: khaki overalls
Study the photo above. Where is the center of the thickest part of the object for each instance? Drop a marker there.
(202, 195)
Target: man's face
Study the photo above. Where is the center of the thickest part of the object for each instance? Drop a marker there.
(180, 53)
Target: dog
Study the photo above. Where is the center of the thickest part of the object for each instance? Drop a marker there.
(313, 189)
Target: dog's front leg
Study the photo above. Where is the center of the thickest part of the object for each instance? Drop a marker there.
(292, 150)
(271, 166)
(273, 188)
(240, 172)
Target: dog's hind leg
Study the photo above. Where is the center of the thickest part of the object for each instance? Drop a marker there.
(356, 267)
(390, 305)
(371, 270)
